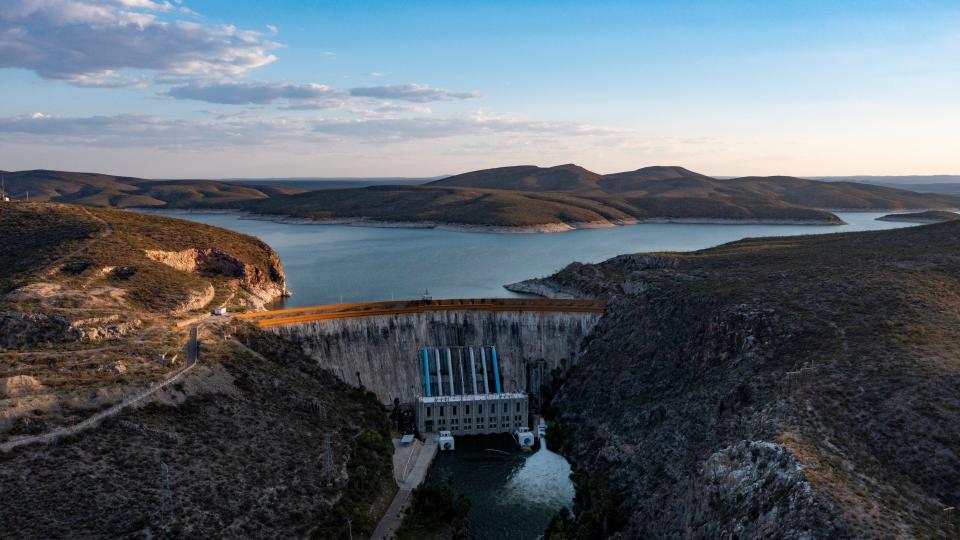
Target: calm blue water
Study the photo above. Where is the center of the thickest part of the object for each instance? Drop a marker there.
(327, 263)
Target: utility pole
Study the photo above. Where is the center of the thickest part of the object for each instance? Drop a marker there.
(166, 501)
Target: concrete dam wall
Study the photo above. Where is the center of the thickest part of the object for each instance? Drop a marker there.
(383, 349)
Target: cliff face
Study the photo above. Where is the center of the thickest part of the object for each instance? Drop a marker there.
(266, 282)
(384, 349)
(792, 388)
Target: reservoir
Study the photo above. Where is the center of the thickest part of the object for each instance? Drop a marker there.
(512, 494)
(329, 263)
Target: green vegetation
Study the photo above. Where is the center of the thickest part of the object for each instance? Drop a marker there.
(436, 511)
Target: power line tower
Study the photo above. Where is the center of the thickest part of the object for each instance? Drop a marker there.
(166, 501)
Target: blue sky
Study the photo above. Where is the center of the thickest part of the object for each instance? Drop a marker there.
(308, 88)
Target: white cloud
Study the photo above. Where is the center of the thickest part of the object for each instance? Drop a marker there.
(138, 130)
(312, 96)
(416, 93)
(250, 93)
(81, 41)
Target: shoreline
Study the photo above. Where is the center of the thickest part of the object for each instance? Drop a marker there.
(558, 227)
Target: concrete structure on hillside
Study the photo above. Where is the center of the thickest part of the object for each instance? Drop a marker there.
(462, 392)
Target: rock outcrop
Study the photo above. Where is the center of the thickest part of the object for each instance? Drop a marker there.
(798, 388)
(264, 285)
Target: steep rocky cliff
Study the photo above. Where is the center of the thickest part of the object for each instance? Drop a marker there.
(788, 387)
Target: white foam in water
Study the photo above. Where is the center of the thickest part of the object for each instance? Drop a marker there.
(542, 480)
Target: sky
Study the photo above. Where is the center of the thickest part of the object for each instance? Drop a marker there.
(244, 88)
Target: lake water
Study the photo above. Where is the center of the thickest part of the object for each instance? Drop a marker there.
(512, 495)
(329, 263)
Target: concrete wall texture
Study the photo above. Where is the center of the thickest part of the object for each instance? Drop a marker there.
(384, 349)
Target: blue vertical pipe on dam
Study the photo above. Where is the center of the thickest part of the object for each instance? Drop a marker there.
(426, 369)
(439, 373)
(496, 368)
(450, 373)
(473, 372)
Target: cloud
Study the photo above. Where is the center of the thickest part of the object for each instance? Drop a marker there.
(373, 74)
(223, 131)
(416, 93)
(249, 93)
(390, 108)
(312, 96)
(80, 41)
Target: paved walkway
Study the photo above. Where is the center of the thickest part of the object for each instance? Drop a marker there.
(191, 352)
(410, 466)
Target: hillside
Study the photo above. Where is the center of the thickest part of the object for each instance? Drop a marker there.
(676, 182)
(95, 306)
(89, 298)
(931, 216)
(568, 178)
(844, 195)
(506, 199)
(443, 205)
(258, 442)
(126, 192)
(800, 387)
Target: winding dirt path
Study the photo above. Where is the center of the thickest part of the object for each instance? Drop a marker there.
(192, 352)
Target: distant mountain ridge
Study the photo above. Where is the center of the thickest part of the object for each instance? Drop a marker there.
(104, 190)
(504, 199)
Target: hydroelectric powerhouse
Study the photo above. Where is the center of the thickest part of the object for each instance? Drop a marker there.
(463, 392)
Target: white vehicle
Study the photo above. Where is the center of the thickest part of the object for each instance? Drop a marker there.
(445, 441)
(524, 438)
(220, 311)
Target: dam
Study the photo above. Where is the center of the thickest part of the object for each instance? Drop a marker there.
(379, 345)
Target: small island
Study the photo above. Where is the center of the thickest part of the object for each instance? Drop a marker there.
(929, 216)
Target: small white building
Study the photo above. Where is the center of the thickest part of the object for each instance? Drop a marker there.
(445, 441)
(220, 311)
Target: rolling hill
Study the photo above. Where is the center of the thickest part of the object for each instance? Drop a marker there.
(520, 198)
(127, 192)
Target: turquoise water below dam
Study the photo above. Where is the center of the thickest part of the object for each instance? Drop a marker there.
(329, 263)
